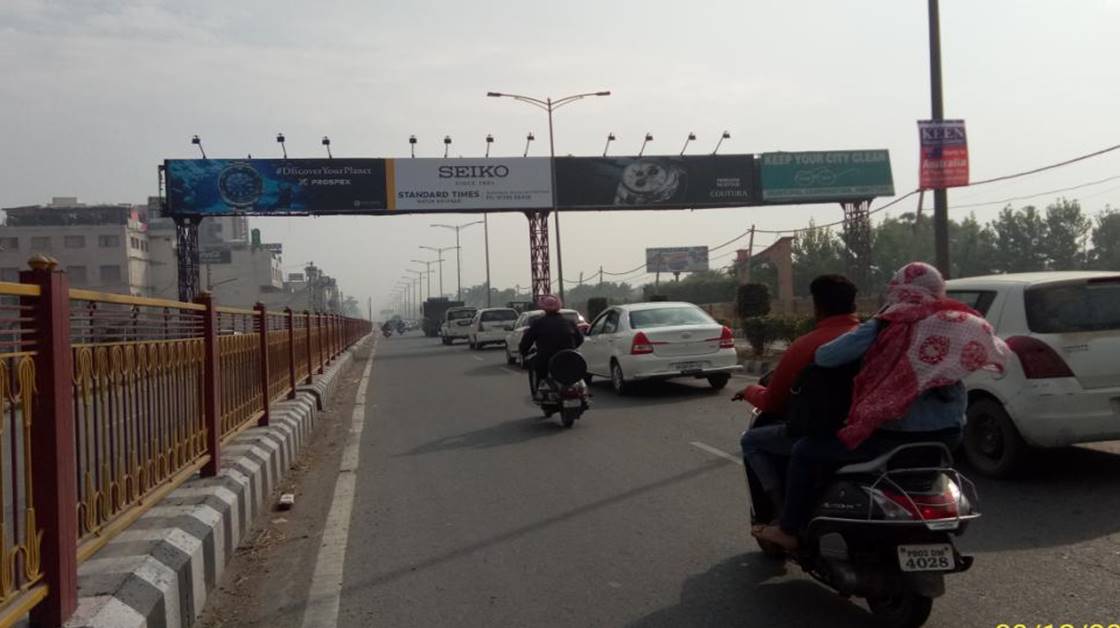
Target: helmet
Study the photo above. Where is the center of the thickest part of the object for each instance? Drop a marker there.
(550, 303)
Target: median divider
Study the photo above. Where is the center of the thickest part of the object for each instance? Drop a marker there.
(160, 570)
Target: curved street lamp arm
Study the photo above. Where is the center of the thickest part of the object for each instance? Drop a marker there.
(559, 102)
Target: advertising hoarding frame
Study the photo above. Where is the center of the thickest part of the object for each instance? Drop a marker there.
(825, 176)
(677, 259)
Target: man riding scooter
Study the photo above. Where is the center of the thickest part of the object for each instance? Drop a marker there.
(551, 334)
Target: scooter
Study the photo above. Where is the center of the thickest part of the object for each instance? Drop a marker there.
(386, 332)
(883, 530)
(565, 391)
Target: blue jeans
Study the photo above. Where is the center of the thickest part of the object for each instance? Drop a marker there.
(767, 450)
(814, 459)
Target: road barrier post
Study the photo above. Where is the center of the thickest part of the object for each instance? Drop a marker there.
(211, 387)
(322, 340)
(290, 317)
(310, 357)
(52, 464)
(262, 315)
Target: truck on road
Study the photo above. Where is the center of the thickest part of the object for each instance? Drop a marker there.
(434, 310)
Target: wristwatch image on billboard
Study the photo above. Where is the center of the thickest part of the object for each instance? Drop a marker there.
(650, 181)
(240, 185)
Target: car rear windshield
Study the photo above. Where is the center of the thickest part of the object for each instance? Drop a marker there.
(668, 316)
(1066, 308)
(499, 315)
(457, 314)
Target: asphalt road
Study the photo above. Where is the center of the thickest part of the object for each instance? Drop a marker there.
(472, 510)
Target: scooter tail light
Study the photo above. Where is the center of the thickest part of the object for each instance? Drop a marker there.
(924, 507)
(641, 344)
(571, 392)
(889, 503)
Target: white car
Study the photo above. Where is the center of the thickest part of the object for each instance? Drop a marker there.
(1062, 385)
(456, 324)
(659, 340)
(517, 329)
(489, 326)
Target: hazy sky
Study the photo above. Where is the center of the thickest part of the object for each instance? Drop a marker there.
(95, 93)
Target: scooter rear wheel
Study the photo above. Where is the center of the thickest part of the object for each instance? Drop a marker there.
(568, 416)
(905, 610)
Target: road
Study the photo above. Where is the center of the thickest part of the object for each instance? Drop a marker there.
(470, 509)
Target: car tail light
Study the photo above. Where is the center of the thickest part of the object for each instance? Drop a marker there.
(1039, 359)
(727, 339)
(641, 344)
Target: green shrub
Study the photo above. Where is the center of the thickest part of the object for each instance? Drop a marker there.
(595, 307)
(753, 300)
(760, 332)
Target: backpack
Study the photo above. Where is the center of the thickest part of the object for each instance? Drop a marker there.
(819, 400)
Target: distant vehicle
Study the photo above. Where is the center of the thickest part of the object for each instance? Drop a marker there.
(659, 340)
(489, 326)
(434, 311)
(456, 324)
(1063, 384)
(517, 329)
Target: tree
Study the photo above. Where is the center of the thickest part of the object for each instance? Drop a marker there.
(1067, 230)
(972, 248)
(897, 242)
(1106, 241)
(1020, 240)
(816, 251)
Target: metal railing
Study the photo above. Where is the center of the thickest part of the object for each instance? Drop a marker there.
(108, 402)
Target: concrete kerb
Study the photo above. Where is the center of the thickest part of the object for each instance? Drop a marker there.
(160, 570)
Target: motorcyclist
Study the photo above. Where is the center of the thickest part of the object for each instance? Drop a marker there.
(915, 352)
(551, 333)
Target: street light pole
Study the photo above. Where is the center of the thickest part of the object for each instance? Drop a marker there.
(459, 253)
(550, 105)
(937, 106)
(486, 238)
(439, 251)
(427, 271)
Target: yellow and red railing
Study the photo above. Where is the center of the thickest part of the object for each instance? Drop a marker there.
(108, 402)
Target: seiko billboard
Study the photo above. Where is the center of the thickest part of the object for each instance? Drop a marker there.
(469, 184)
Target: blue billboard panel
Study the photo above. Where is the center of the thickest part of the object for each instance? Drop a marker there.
(214, 187)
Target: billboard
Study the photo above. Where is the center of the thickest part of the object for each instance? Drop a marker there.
(820, 176)
(655, 182)
(215, 256)
(944, 162)
(469, 184)
(210, 187)
(681, 259)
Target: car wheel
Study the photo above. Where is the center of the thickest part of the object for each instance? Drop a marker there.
(992, 444)
(719, 380)
(618, 380)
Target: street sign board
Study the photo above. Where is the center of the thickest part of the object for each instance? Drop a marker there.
(820, 176)
(215, 256)
(655, 182)
(209, 187)
(944, 154)
(469, 184)
(680, 259)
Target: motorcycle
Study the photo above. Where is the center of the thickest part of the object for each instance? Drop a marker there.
(564, 391)
(883, 529)
(386, 332)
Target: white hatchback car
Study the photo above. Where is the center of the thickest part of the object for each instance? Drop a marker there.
(659, 340)
(517, 329)
(489, 326)
(1063, 384)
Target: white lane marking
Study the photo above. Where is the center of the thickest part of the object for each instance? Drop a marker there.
(326, 583)
(478, 357)
(716, 452)
(512, 370)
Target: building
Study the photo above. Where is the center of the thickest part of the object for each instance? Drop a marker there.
(101, 247)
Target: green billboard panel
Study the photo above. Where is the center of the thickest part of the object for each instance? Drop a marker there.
(826, 176)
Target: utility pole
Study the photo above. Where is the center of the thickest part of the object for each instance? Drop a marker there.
(486, 235)
(937, 106)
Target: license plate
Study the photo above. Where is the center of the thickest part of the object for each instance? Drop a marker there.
(689, 367)
(933, 557)
(572, 403)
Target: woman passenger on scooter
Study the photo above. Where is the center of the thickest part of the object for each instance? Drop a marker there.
(915, 353)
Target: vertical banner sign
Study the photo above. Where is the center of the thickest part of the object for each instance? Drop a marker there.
(944, 146)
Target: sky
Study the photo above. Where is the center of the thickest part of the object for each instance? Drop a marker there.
(94, 94)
